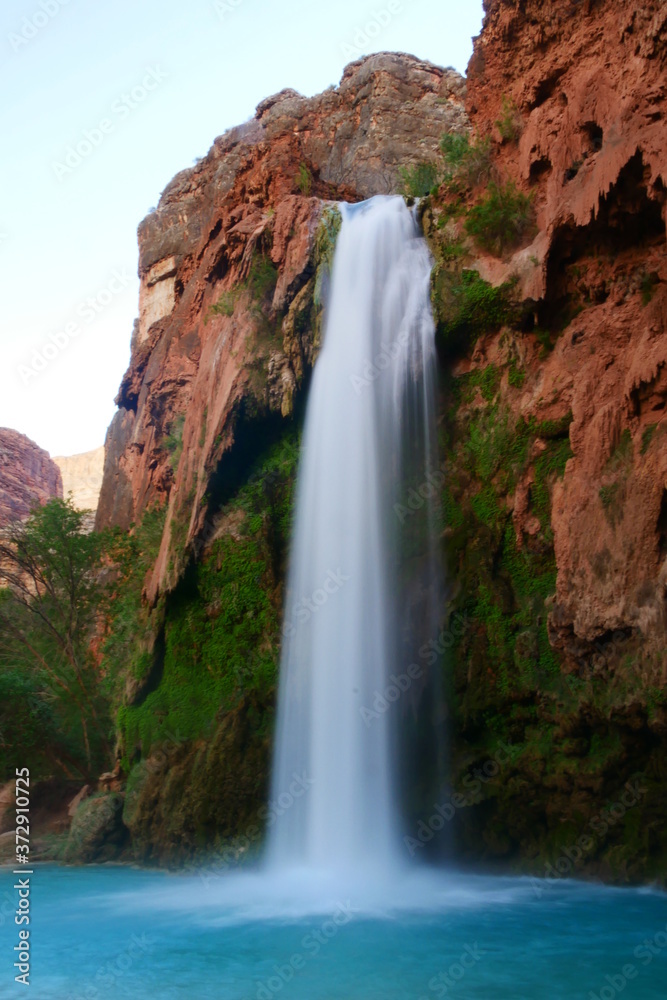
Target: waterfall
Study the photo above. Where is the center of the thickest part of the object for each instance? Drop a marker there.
(362, 593)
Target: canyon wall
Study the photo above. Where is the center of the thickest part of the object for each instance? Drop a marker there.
(243, 224)
(552, 341)
(82, 477)
(28, 476)
(556, 504)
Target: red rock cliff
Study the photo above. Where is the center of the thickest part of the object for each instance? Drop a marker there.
(588, 81)
(28, 476)
(241, 230)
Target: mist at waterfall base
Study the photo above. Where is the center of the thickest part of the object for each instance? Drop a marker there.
(339, 908)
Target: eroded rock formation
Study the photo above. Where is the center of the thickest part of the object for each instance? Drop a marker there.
(240, 226)
(557, 454)
(28, 476)
(588, 81)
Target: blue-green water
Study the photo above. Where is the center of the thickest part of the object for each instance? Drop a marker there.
(112, 932)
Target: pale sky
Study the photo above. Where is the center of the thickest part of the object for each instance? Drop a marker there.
(70, 68)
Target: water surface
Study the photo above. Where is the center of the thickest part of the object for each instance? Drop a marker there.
(114, 932)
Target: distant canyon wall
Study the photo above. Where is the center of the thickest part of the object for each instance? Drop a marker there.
(28, 476)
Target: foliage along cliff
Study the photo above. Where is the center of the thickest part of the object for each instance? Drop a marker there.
(555, 433)
(545, 212)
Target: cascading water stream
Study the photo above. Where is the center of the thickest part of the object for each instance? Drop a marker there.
(363, 580)
(332, 912)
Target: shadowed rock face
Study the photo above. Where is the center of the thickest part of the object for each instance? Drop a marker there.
(28, 476)
(589, 81)
(251, 207)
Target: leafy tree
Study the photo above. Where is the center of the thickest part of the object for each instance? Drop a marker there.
(54, 591)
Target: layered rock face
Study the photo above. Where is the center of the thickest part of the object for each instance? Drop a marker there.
(588, 82)
(28, 476)
(245, 225)
(82, 477)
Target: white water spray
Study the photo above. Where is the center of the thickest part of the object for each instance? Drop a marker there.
(350, 616)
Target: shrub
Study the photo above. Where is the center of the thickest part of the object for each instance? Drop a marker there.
(223, 307)
(468, 307)
(467, 164)
(173, 442)
(501, 219)
(262, 277)
(305, 180)
(260, 282)
(516, 376)
(510, 123)
(418, 180)
(647, 286)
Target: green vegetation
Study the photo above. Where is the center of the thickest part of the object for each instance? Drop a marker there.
(647, 437)
(502, 219)
(622, 453)
(516, 376)
(647, 287)
(467, 163)
(31, 722)
(305, 180)
(418, 180)
(510, 123)
(608, 495)
(128, 647)
(325, 246)
(223, 307)
(262, 277)
(173, 442)
(260, 282)
(466, 307)
(544, 339)
(505, 651)
(52, 601)
(221, 625)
